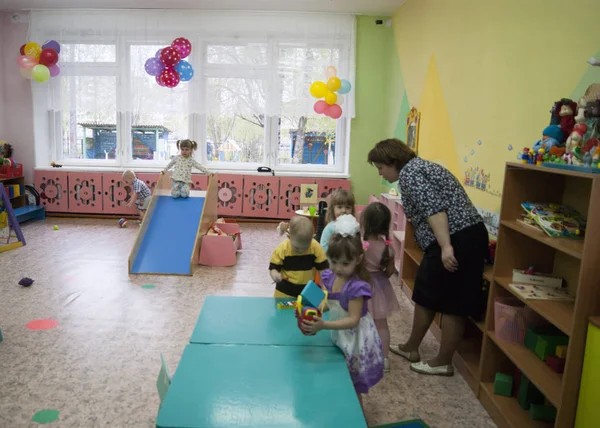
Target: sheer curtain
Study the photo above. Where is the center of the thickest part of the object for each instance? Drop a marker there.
(251, 68)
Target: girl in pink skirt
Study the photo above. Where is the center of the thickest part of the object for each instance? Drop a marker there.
(379, 257)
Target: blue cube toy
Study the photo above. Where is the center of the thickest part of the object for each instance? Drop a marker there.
(312, 295)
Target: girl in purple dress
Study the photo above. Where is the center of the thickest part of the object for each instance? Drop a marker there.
(379, 259)
(352, 327)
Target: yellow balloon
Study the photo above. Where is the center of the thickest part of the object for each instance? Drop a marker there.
(334, 83)
(330, 98)
(40, 73)
(33, 50)
(318, 89)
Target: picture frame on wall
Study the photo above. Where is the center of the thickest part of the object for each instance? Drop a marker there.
(413, 122)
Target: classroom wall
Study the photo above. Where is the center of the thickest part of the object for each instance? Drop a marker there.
(2, 107)
(485, 75)
(377, 98)
(17, 101)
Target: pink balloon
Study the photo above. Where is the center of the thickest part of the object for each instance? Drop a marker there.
(160, 83)
(26, 61)
(54, 70)
(320, 107)
(183, 46)
(334, 111)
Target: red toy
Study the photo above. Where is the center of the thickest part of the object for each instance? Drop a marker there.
(308, 313)
(557, 364)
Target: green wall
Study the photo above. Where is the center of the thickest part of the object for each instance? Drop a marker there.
(376, 111)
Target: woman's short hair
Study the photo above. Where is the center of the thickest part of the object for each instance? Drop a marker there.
(391, 152)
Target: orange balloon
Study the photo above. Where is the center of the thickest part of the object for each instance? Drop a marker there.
(333, 84)
(330, 72)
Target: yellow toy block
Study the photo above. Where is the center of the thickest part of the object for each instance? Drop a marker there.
(561, 351)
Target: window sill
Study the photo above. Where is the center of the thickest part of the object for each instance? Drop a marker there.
(73, 168)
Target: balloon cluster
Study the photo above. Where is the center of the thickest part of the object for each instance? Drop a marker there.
(332, 93)
(168, 65)
(39, 62)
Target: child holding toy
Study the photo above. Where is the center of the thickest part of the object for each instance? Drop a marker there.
(182, 174)
(340, 202)
(141, 193)
(379, 259)
(296, 259)
(352, 327)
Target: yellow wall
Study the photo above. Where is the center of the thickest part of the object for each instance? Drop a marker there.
(485, 74)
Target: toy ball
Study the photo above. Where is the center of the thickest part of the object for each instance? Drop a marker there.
(122, 223)
(55, 227)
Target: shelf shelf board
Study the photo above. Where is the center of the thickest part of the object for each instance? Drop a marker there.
(415, 254)
(399, 235)
(509, 407)
(572, 247)
(488, 272)
(547, 381)
(479, 324)
(469, 352)
(555, 171)
(558, 313)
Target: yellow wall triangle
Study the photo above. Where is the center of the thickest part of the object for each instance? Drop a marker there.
(436, 142)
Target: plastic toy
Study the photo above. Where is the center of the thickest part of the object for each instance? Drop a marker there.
(542, 412)
(528, 394)
(540, 157)
(503, 384)
(289, 304)
(26, 282)
(546, 345)
(561, 351)
(122, 223)
(555, 363)
(310, 302)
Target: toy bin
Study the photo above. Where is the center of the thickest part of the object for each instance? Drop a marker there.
(512, 319)
(220, 250)
(7, 171)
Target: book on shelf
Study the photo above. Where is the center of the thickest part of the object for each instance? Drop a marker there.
(541, 292)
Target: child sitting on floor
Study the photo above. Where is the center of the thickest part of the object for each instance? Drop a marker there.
(295, 261)
(352, 327)
(141, 193)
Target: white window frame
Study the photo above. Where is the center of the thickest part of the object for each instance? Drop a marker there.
(196, 122)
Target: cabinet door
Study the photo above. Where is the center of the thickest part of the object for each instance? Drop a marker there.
(53, 189)
(85, 192)
(261, 196)
(230, 194)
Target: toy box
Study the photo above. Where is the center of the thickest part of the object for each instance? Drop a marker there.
(536, 278)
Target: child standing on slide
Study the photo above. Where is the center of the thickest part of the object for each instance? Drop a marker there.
(340, 202)
(182, 174)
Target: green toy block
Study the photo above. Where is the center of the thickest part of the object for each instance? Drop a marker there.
(528, 394)
(542, 412)
(534, 332)
(503, 384)
(546, 345)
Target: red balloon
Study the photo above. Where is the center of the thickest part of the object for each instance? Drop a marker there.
(169, 78)
(48, 57)
(170, 56)
(22, 50)
(160, 83)
(183, 46)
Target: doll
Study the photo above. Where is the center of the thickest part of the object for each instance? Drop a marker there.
(7, 152)
(567, 115)
(552, 136)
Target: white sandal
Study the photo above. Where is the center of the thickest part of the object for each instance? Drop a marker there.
(412, 356)
(425, 368)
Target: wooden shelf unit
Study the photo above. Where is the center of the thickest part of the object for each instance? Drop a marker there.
(18, 201)
(482, 355)
(576, 260)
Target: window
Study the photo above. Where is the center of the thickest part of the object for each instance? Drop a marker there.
(248, 104)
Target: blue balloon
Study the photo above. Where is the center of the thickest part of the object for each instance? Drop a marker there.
(345, 88)
(185, 70)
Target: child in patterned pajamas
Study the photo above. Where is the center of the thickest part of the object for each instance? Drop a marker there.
(182, 174)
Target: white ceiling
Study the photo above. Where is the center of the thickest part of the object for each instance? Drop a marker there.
(366, 7)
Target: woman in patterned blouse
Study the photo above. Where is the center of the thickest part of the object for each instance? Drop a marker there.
(455, 242)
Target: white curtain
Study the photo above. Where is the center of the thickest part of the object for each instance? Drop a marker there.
(251, 64)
